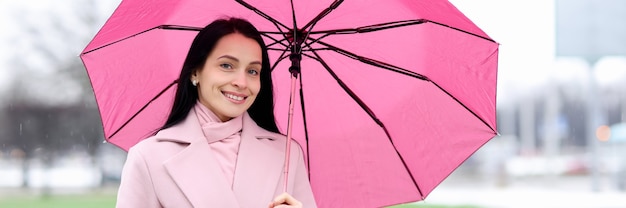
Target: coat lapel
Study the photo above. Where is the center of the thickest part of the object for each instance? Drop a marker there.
(259, 164)
(194, 169)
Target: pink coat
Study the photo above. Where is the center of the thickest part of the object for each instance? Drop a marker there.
(175, 168)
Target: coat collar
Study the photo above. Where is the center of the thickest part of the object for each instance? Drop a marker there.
(197, 173)
(190, 131)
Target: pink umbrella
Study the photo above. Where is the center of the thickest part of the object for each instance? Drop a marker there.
(392, 95)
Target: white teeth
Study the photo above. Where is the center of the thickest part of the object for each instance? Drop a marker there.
(234, 97)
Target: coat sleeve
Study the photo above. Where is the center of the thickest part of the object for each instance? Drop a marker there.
(136, 188)
(302, 188)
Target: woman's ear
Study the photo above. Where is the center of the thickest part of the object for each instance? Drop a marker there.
(194, 75)
(194, 79)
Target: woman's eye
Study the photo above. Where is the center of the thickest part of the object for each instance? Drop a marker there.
(253, 72)
(226, 66)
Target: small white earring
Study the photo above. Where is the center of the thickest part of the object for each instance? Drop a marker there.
(194, 82)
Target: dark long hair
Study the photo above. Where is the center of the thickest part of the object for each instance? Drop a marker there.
(261, 111)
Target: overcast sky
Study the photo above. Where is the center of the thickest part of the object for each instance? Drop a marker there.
(17, 17)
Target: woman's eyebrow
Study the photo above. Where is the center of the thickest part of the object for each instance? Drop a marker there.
(237, 60)
(229, 57)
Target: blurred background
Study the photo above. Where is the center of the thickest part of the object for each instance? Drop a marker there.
(561, 108)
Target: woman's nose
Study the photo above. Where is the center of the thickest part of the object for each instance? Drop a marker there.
(240, 80)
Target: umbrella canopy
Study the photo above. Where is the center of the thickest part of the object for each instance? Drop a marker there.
(392, 95)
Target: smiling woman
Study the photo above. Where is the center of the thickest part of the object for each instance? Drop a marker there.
(220, 146)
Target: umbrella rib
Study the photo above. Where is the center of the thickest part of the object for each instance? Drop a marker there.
(276, 41)
(374, 62)
(143, 107)
(364, 29)
(281, 57)
(262, 14)
(464, 106)
(460, 30)
(322, 14)
(179, 27)
(164, 27)
(369, 112)
(269, 18)
(372, 28)
(293, 16)
(381, 26)
(390, 25)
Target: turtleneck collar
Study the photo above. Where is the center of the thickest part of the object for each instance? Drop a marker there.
(213, 128)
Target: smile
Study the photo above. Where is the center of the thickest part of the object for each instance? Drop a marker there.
(234, 97)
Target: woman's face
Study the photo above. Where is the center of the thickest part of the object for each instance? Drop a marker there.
(230, 79)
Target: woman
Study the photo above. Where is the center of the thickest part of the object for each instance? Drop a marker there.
(220, 146)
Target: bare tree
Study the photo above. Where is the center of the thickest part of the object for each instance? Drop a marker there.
(51, 107)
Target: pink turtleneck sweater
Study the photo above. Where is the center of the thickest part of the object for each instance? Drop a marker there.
(223, 138)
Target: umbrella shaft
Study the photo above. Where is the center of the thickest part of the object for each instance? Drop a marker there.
(292, 98)
(295, 58)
